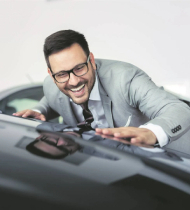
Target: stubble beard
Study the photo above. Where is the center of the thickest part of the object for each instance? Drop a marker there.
(88, 91)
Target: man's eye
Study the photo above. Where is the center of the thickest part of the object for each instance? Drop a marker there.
(79, 68)
(62, 75)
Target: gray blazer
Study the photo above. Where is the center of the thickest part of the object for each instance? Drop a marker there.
(129, 98)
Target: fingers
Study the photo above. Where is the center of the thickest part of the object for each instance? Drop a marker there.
(108, 131)
(137, 135)
(41, 117)
(30, 113)
(21, 113)
(25, 113)
(121, 132)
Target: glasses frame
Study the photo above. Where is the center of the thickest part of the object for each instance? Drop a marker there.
(54, 144)
(50, 142)
(72, 71)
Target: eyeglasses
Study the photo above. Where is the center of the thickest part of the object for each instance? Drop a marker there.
(53, 142)
(49, 140)
(64, 144)
(79, 70)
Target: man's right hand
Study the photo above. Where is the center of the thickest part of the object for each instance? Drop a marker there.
(30, 113)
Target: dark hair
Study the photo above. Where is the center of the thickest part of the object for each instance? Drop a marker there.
(34, 150)
(61, 40)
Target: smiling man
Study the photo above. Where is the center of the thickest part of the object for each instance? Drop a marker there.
(78, 82)
(113, 97)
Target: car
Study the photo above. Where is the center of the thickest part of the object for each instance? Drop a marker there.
(27, 96)
(70, 172)
(22, 97)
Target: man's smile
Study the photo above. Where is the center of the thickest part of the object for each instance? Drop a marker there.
(79, 91)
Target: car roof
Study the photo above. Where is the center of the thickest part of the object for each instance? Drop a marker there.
(12, 90)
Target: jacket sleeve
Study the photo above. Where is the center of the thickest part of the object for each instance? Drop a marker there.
(43, 106)
(161, 107)
(45, 109)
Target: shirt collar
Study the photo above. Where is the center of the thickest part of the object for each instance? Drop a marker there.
(95, 94)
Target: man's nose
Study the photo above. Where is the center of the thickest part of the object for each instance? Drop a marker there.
(61, 142)
(74, 80)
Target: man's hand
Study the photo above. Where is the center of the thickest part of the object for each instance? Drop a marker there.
(137, 135)
(30, 113)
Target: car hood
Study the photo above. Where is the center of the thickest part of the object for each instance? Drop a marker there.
(101, 173)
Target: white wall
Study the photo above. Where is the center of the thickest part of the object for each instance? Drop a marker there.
(153, 35)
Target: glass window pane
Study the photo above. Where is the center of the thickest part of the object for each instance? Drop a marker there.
(21, 104)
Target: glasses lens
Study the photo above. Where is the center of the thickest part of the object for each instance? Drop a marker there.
(62, 77)
(50, 141)
(80, 70)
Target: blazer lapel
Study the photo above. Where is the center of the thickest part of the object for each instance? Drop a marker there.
(107, 104)
(69, 118)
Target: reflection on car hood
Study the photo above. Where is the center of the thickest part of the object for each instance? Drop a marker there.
(99, 173)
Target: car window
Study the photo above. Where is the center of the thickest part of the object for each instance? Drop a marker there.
(24, 99)
(21, 104)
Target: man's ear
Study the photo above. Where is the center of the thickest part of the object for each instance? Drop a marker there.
(49, 72)
(92, 61)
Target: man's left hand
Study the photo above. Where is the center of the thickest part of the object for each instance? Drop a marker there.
(137, 135)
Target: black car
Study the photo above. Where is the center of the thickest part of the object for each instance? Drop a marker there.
(73, 173)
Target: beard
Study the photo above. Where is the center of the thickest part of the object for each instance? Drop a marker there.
(89, 84)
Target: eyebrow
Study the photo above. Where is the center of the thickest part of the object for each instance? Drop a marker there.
(69, 69)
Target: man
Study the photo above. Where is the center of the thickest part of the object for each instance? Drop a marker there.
(53, 145)
(120, 96)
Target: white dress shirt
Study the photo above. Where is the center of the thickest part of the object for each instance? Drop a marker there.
(95, 106)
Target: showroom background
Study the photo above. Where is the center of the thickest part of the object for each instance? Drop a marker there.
(151, 34)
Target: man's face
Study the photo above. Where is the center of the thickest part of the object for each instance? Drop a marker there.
(55, 145)
(77, 88)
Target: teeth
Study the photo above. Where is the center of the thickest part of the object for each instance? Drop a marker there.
(77, 89)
